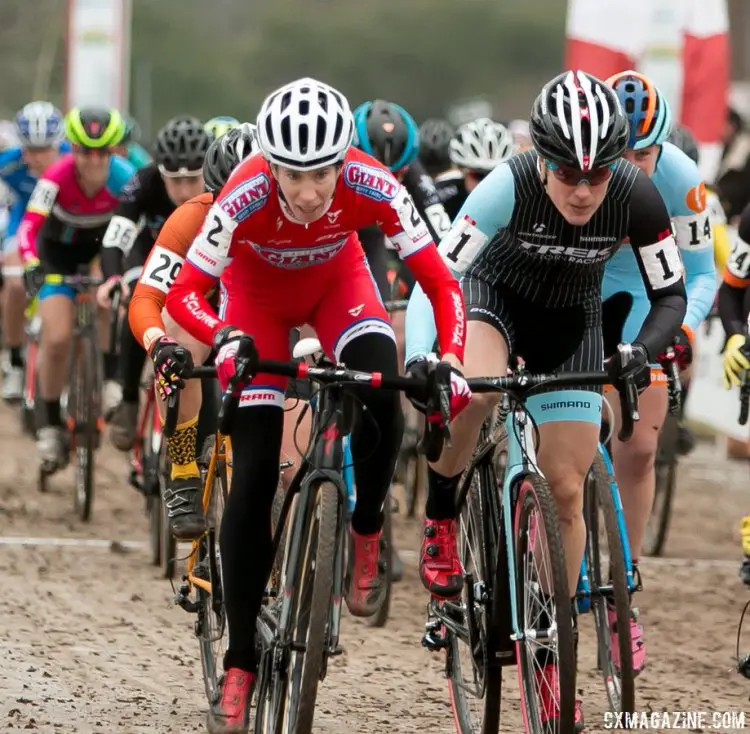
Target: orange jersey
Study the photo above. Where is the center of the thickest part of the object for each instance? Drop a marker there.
(163, 265)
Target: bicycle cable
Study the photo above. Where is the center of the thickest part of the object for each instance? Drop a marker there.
(364, 411)
(742, 663)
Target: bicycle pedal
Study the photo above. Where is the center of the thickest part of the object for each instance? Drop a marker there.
(434, 641)
(434, 638)
(182, 599)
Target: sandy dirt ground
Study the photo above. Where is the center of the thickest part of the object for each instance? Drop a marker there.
(91, 641)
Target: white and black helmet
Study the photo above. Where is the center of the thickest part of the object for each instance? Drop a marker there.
(226, 153)
(481, 145)
(305, 125)
(577, 120)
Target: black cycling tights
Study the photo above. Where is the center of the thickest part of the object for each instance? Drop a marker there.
(132, 359)
(245, 536)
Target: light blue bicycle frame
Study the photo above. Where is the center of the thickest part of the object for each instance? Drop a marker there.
(583, 591)
(522, 462)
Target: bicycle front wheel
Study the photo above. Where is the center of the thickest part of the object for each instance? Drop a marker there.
(610, 597)
(85, 393)
(211, 624)
(666, 479)
(474, 676)
(380, 618)
(311, 608)
(546, 650)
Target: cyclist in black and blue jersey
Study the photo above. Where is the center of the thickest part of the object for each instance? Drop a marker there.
(389, 133)
(530, 245)
(435, 136)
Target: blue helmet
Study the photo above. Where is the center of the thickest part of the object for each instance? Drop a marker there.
(646, 108)
(387, 132)
(39, 125)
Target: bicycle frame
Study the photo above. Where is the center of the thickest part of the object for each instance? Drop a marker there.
(327, 456)
(583, 590)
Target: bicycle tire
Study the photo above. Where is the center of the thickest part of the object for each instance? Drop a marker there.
(380, 618)
(534, 495)
(149, 477)
(167, 542)
(600, 505)
(476, 514)
(667, 457)
(312, 606)
(85, 395)
(278, 561)
(211, 625)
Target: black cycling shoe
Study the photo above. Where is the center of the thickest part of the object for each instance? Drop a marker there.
(183, 499)
(685, 440)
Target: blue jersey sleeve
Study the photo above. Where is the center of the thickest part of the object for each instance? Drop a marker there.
(12, 167)
(120, 172)
(16, 215)
(487, 209)
(679, 182)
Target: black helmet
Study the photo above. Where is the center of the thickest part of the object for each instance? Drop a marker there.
(387, 132)
(434, 144)
(684, 140)
(225, 154)
(577, 121)
(181, 145)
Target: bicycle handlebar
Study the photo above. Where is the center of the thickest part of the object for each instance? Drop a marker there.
(79, 281)
(437, 384)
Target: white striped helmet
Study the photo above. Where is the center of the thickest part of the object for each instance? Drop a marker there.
(481, 145)
(305, 125)
(577, 120)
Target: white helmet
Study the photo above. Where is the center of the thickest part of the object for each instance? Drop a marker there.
(481, 145)
(305, 125)
(39, 125)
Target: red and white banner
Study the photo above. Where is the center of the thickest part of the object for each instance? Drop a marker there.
(97, 53)
(683, 45)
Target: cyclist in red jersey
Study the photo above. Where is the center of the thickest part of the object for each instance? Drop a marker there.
(287, 221)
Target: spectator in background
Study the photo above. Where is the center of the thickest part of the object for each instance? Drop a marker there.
(733, 177)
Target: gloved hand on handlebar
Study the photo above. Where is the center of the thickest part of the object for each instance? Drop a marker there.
(736, 359)
(33, 277)
(105, 292)
(683, 348)
(636, 366)
(460, 393)
(171, 363)
(233, 346)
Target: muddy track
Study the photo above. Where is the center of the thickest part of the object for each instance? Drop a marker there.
(93, 642)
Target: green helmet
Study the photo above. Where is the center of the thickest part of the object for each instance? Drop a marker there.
(217, 126)
(94, 127)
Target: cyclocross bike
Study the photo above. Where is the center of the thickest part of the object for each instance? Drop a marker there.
(299, 624)
(82, 398)
(667, 459)
(510, 545)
